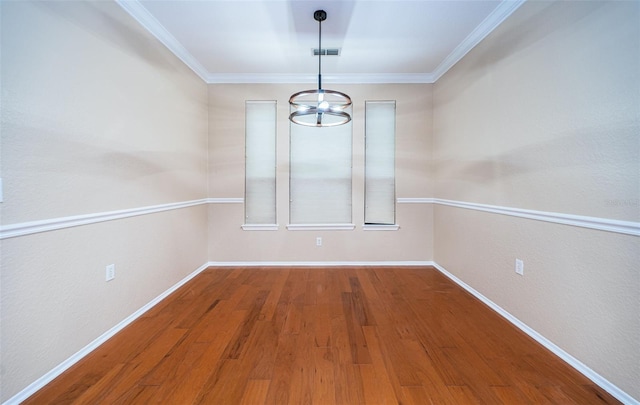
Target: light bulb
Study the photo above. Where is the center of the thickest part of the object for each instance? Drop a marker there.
(323, 106)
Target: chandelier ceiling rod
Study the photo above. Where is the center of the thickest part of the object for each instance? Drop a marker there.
(320, 16)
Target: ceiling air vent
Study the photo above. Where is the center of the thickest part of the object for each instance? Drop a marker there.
(326, 52)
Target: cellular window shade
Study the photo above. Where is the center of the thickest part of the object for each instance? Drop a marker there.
(320, 175)
(380, 128)
(260, 162)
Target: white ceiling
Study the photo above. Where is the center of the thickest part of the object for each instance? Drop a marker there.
(271, 41)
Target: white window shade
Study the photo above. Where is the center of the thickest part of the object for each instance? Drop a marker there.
(380, 128)
(320, 175)
(260, 163)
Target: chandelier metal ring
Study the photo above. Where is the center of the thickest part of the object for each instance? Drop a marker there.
(297, 118)
(295, 102)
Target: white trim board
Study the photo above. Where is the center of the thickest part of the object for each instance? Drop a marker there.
(260, 227)
(62, 367)
(415, 200)
(603, 224)
(225, 200)
(321, 227)
(28, 228)
(322, 264)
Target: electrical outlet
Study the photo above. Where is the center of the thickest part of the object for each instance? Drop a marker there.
(520, 267)
(111, 272)
(318, 241)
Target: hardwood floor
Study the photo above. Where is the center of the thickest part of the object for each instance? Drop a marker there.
(365, 335)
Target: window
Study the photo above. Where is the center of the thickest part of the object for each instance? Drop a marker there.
(320, 177)
(379, 196)
(260, 165)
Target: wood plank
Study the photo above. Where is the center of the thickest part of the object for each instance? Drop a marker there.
(375, 389)
(279, 389)
(388, 386)
(139, 395)
(255, 392)
(185, 388)
(238, 342)
(357, 342)
(462, 394)
(361, 311)
(141, 365)
(417, 395)
(324, 382)
(91, 395)
(269, 307)
(226, 385)
(261, 350)
(346, 374)
(322, 330)
(511, 395)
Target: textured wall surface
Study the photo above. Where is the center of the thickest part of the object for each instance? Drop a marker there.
(228, 242)
(97, 116)
(544, 115)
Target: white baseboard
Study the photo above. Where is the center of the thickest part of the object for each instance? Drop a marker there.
(321, 264)
(572, 361)
(569, 359)
(62, 367)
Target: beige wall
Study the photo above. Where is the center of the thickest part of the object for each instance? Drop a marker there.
(544, 115)
(228, 242)
(97, 116)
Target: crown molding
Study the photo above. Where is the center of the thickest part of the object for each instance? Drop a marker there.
(151, 24)
(347, 78)
(493, 20)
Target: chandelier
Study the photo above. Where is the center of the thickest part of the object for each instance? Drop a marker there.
(319, 108)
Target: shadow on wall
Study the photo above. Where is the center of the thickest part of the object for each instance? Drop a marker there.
(104, 177)
(106, 20)
(594, 172)
(585, 148)
(42, 151)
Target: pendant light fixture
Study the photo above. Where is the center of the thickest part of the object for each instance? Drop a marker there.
(319, 108)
